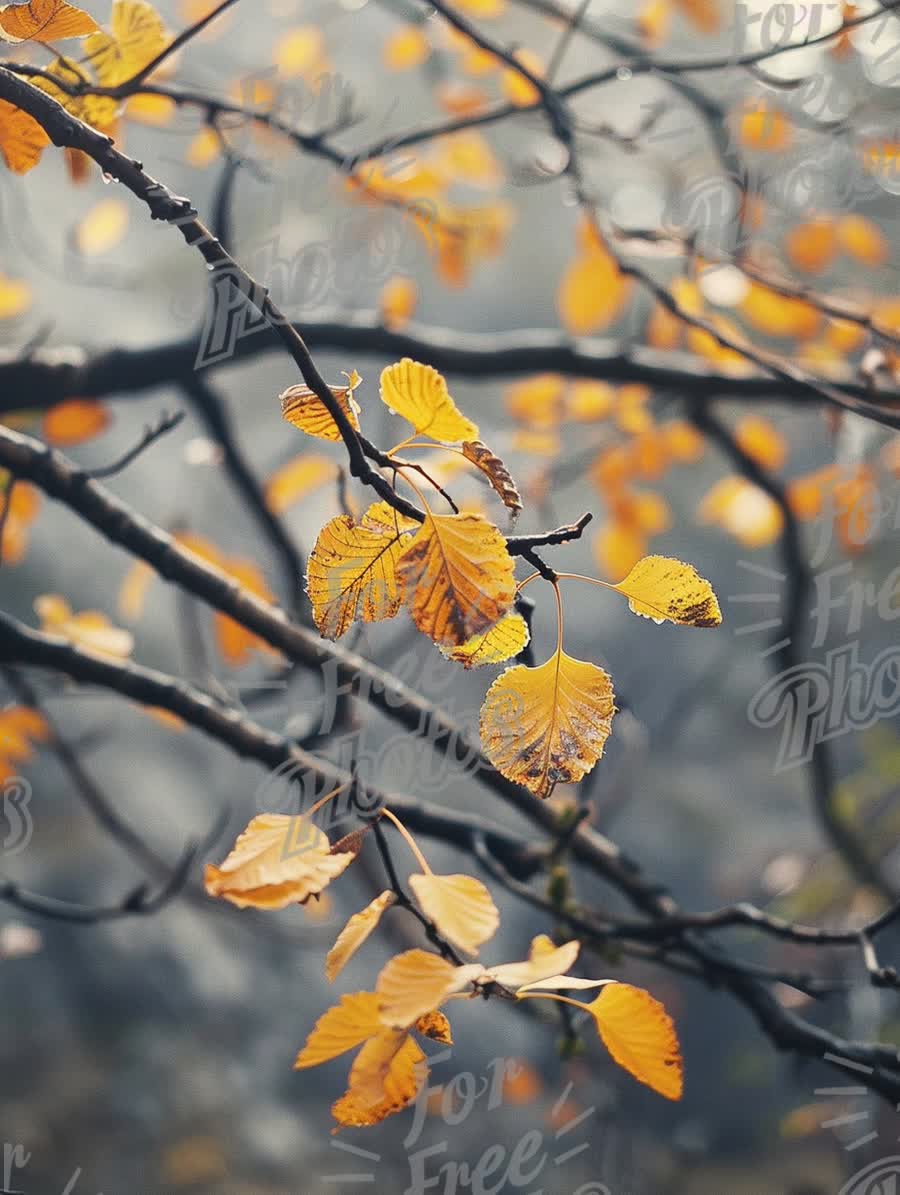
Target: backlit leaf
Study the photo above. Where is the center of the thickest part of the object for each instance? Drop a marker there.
(302, 408)
(44, 21)
(22, 140)
(15, 295)
(398, 302)
(812, 246)
(863, 240)
(640, 1036)
(668, 590)
(102, 228)
(503, 641)
(744, 511)
(412, 985)
(137, 35)
(457, 577)
(460, 906)
(89, 630)
(592, 292)
(277, 861)
(419, 394)
(351, 1022)
(761, 440)
(354, 933)
(547, 725)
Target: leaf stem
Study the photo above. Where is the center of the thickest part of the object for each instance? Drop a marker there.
(410, 841)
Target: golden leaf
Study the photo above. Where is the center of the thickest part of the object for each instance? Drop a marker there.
(668, 590)
(89, 630)
(640, 1035)
(547, 725)
(44, 21)
(413, 984)
(300, 51)
(407, 47)
(386, 1077)
(351, 1022)
(102, 228)
(457, 577)
(592, 292)
(811, 246)
(496, 472)
(20, 729)
(761, 440)
(22, 140)
(503, 641)
(419, 394)
(744, 511)
(618, 546)
(435, 1026)
(15, 295)
(306, 411)
(537, 401)
(398, 302)
(519, 90)
(351, 574)
(704, 14)
(544, 961)
(23, 504)
(74, 421)
(96, 110)
(277, 861)
(296, 479)
(137, 35)
(354, 933)
(863, 240)
(460, 906)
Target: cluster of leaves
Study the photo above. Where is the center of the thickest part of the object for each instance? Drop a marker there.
(281, 860)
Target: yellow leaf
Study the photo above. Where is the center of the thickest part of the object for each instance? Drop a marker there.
(503, 641)
(668, 590)
(15, 295)
(351, 1022)
(277, 861)
(744, 511)
(653, 22)
(21, 729)
(592, 293)
(435, 1026)
(419, 394)
(74, 421)
(618, 546)
(23, 509)
(398, 302)
(811, 246)
(457, 577)
(544, 961)
(99, 111)
(406, 48)
(296, 479)
(537, 401)
(640, 1036)
(22, 140)
(863, 240)
(779, 315)
(90, 630)
(682, 440)
(102, 228)
(460, 906)
(305, 410)
(496, 472)
(156, 110)
(203, 149)
(386, 1077)
(412, 985)
(761, 440)
(352, 575)
(519, 90)
(704, 14)
(300, 51)
(137, 35)
(467, 158)
(354, 933)
(44, 21)
(765, 128)
(589, 402)
(547, 725)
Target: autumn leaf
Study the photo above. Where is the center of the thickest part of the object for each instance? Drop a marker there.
(519, 90)
(705, 15)
(457, 577)
(21, 728)
(460, 907)
(496, 472)
(547, 725)
(537, 401)
(863, 240)
(351, 1022)
(667, 590)
(592, 292)
(44, 21)
(296, 479)
(415, 983)
(761, 440)
(812, 246)
(354, 934)
(419, 394)
(640, 1036)
(277, 861)
(397, 302)
(501, 642)
(75, 421)
(386, 1077)
(407, 47)
(302, 408)
(744, 511)
(102, 228)
(22, 139)
(89, 630)
(351, 573)
(15, 295)
(98, 111)
(435, 1026)
(300, 52)
(137, 35)
(618, 546)
(24, 503)
(544, 961)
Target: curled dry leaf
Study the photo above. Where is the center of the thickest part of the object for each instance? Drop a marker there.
(419, 394)
(352, 571)
(668, 590)
(457, 577)
(496, 472)
(460, 907)
(44, 21)
(354, 933)
(341, 1028)
(641, 1037)
(547, 725)
(386, 1076)
(277, 861)
(305, 410)
(435, 1026)
(503, 641)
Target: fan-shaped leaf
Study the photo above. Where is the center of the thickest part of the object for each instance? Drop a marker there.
(44, 21)
(460, 907)
(641, 1037)
(354, 1020)
(419, 394)
(668, 590)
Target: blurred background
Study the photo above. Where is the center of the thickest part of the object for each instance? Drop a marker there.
(157, 1051)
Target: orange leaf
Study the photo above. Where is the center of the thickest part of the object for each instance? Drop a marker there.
(592, 293)
(811, 246)
(22, 140)
(354, 934)
(762, 441)
(74, 421)
(44, 21)
(641, 1037)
